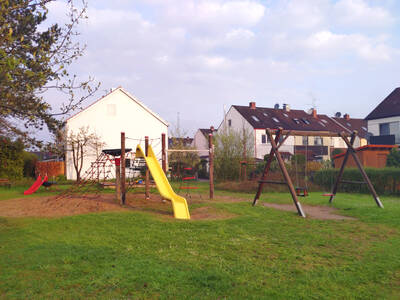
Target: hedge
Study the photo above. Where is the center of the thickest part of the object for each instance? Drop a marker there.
(385, 181)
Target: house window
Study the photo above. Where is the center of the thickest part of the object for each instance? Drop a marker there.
(384, 129)
(111, 110)
(296, 121)
(255, 118)
(275, 119)
(305, 121)
(318, 140)
(305, 140)
(263, 139)
(229, 122)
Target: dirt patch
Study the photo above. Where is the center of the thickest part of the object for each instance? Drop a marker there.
(75, 205)
(313, 212)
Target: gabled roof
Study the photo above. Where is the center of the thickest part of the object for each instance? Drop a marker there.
(389, 107)
(206, 132)
(354, 124)
(262, 117)
(131, 97)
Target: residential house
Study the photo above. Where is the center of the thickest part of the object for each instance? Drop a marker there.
(255, 120)
(117, 112)
(200, 140)
(384, 120)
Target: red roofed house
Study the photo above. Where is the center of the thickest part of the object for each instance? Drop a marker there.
(256, 119)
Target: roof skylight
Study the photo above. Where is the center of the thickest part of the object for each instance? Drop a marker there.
(255, 118)
(365, 129)
(286, 115)
(297, 121)
(265, 114)
(325, 121)
(275, 119)
(305, 121)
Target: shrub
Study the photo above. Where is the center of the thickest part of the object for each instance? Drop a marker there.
(385, 181)
(30, 160)
(393, 159)
(11, 160)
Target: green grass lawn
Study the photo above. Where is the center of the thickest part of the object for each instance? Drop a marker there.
(260, 253)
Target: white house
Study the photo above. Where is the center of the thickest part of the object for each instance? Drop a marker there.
(255, 120)
(384, 120)
(117, 112)
(200, 141)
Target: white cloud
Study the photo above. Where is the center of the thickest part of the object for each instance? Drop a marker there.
(332, 44)
(359, 13)
(196, 54)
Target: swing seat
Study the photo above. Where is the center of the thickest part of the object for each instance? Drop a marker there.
(301, 192)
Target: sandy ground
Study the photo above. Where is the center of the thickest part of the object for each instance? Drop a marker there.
(313, 212)
(53, 206)
(75, 205)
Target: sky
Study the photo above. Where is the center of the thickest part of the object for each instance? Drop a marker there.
(196, 57)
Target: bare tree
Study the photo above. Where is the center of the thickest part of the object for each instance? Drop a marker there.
(82, 144)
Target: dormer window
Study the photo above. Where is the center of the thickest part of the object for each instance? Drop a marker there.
(255, 118)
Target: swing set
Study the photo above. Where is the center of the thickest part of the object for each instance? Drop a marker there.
(281, 136)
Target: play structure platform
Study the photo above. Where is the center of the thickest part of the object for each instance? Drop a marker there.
(179, 205)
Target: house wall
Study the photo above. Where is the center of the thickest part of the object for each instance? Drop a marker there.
(200, 142)
(263, 149)
(111, 115)
(373, 126)
(238, 123)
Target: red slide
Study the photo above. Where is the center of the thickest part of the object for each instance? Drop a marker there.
(36, 185)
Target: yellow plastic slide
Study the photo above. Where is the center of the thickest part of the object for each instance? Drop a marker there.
(179, 205)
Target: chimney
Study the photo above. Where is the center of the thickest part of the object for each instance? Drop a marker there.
(212, 129)
(286, 107)
(314, 113)
(346, 116)
(252, 105)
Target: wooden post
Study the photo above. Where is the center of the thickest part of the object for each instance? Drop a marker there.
(244, 160)
(340, 174)
(163, 154)
(285, 173)
(362, 171)
(147, 179)
(123, 173)
(211, 164)
(266, 170)
(118, 179)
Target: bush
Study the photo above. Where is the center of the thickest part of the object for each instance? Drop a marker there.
(393, 159)
(30, 160)
(385, 181)
(11, 160)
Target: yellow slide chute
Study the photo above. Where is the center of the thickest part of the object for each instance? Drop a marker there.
(179, 205)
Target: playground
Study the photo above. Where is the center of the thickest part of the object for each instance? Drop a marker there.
(161, 240)
(90, 247)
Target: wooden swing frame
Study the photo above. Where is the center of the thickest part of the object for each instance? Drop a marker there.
(277, 142)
